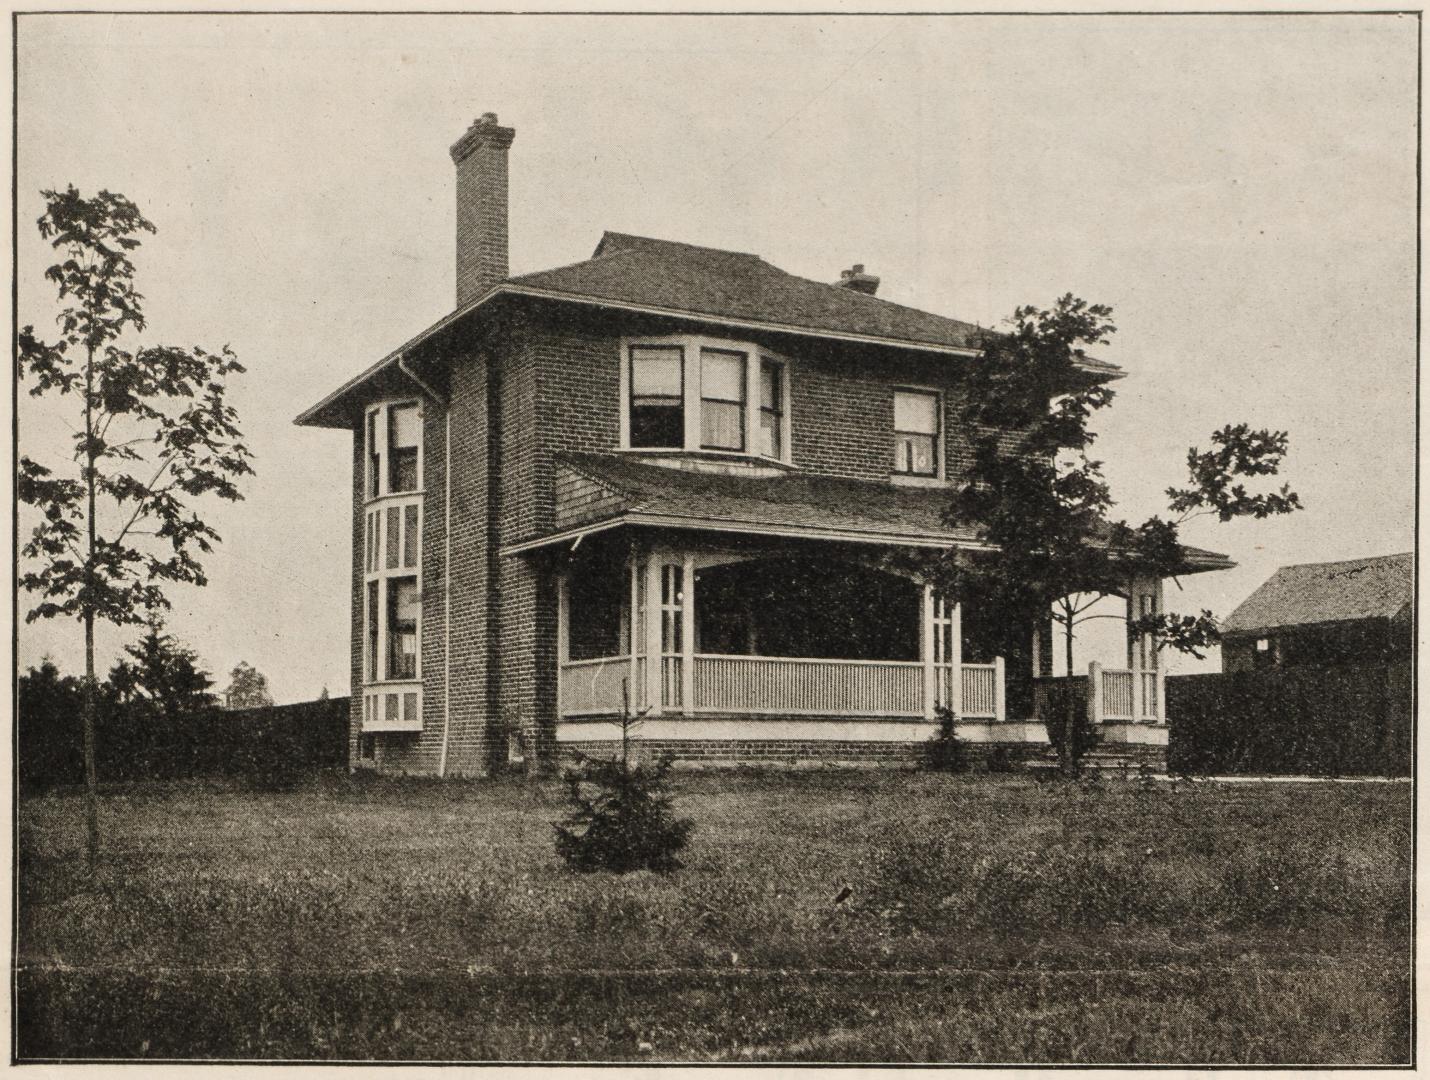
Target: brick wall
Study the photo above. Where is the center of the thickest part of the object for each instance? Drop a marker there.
(472, 743)
(842, 410)
(552, 384)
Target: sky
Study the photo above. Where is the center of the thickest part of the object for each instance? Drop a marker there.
(1240, 189)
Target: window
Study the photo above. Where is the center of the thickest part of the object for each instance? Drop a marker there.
(372, 632)
(772, 411)
(1262, 644)
(404, 608)
(404, 433)
(657, 396)
(695, 393)
(393, 436)
(374, 458)
(722, 400)
(916, 432)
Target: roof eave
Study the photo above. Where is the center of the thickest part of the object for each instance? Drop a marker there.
(776, 530)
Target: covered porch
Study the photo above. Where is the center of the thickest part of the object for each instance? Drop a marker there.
(694, 628)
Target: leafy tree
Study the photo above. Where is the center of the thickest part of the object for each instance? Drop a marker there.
(162, 677)
(247, 688)
(152, 433)
(1042, 503)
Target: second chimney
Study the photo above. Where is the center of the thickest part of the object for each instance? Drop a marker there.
(481, 156)
(855, 278)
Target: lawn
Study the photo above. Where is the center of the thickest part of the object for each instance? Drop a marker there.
(987, 919)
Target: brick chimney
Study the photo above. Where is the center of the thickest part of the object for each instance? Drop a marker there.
(855, 278)
(480, 156)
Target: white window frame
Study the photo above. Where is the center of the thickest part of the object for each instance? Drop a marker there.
(940, 440)
(376, 509)
(691, 346)
(381, 410)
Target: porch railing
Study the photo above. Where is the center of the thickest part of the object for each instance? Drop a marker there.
(980, 691)
(1120, 695)
(593, 687)
(783, 685)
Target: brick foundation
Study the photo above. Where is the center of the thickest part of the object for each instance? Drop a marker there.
(806, 753)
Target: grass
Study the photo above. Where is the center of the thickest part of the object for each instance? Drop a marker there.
(988, 919)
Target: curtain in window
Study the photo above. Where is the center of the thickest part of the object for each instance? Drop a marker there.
(722, 404)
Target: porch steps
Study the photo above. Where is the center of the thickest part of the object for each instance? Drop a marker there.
(1117, 759)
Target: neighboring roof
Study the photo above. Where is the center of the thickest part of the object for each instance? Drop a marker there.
(788, 504)
(662, 277)
(1379, 588)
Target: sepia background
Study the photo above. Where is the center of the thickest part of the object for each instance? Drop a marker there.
(1241, 190)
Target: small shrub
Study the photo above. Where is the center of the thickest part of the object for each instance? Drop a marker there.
(945, 751)
(1085, 737)
(1000, 760)
(626, 823)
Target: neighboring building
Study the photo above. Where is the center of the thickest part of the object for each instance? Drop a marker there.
(1324, 615)
(681, 477)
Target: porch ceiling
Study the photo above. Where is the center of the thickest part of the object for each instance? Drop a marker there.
(595, 492)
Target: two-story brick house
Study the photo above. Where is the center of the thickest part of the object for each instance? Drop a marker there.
(683, 478)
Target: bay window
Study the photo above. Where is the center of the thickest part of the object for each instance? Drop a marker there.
(392, 567)
(693, 393)
(916, 432)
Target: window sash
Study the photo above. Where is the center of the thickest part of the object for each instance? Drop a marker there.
(771, 409)
(657, 406)
(915, 454)
(374, 457)
(916, 432)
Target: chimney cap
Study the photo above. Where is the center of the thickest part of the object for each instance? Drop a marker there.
(484, 132)
(854, 278)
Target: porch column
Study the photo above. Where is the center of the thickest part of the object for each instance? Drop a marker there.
(687, 636)
(955, 659)
(563, 633)
(1134, 647)
(926, 647)
(1156, 658)
(1094, 693)
(636, 681)
(1000, 704)
(654, 644)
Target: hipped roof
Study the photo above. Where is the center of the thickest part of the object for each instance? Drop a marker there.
(710, 285)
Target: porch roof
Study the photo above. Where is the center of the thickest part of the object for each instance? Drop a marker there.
(601, 491)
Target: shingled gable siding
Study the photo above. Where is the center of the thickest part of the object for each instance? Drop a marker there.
(580, 499)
